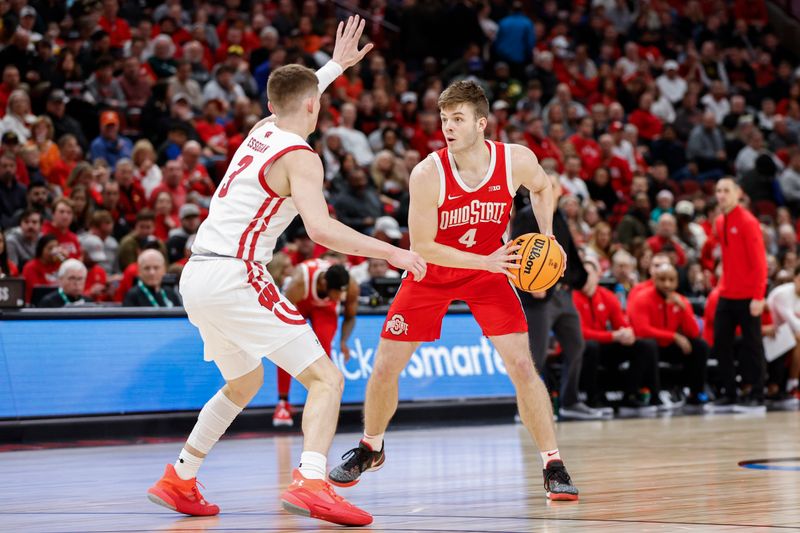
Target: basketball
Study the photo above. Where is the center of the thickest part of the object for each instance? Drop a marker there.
(540, 265)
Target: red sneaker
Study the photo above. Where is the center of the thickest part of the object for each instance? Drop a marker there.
(181, 495)
(317, 499)
(283, 415)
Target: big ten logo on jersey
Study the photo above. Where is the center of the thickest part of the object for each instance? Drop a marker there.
(397, 325)
(473, 213)
(493, 188)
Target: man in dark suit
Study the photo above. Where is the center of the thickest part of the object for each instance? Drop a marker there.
(554, 310)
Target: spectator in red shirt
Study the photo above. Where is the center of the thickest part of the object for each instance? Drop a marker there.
(42, 271)
(598, 307)
(743, 287)
(649, 125)
(195, 176)
(585, 146)
(165, 221)
(618, 168)
(131, 193)
(63, 212)
(118, 29)
(428, 136)
(211, 132)
(94, 253)
(660, 313)
(171, 183)
(666, 231)
(10, 84)
(541, 145)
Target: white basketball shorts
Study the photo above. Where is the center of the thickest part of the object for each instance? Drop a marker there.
(242, 317)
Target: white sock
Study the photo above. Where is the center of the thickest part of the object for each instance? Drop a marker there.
(187, 465)
(313, 465)
(550, 455)
(373, 441)
(792, 384)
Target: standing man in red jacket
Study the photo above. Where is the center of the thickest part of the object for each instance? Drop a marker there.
(742, 289)
(660, 313)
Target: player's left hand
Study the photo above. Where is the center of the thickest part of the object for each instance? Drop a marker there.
(563, 255)
(345, 50)
(345, 351)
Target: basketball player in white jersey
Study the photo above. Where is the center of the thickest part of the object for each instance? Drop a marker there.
(461, 198)
(242, 317)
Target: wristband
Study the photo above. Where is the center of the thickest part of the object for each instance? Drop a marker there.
(329, 72)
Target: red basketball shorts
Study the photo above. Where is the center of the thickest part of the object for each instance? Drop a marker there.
(418, 308)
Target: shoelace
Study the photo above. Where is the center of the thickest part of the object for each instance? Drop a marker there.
(558, 474)
(196, 492)
(352, 457)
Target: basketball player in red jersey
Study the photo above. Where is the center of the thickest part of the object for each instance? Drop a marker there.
(319, 290)
(461, 199)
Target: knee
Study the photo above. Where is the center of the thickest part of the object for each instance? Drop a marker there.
(521, 369)
(648, 348)
(332, 379)
(243, 389)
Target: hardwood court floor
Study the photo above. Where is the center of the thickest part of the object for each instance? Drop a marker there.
(665, 474)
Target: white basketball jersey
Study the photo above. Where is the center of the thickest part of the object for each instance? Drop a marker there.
(246, 217)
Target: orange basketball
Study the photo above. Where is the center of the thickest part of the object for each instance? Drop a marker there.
(540, 266)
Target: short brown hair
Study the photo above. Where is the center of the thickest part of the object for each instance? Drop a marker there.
(146, 215)
(288, 85)
(99, 218)
(64, 200)
(465, 92)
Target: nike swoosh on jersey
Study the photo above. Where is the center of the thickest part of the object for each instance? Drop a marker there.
(450, 197)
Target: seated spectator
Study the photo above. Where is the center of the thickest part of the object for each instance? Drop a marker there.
(789, 182)
(7, 267)
(359, 204)
(671, 84)
(761, 184)
(41, 271)
(223, 87)
(172, 185)
(182, 83)
(746, 159)
(21, 240)
(643, 118)
(110, 145)
(664, 204)
(18, 113)
(623, 274)
(146, 172)
(356, 142)
(195, 177)
(666, 231)
(602, 245)
(138, 240)
(147, 291)
(660, 313)
(94, 256)
(706, 145)
(609, 347)
(635, 224)
(571, 180)
(71, 280)
(103, 89)
(12, 193)
(165, 221)
(189, 215)
(101, 225)
(63, 214)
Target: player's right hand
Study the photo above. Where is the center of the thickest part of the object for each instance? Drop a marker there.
(503, 259)
(410, 261)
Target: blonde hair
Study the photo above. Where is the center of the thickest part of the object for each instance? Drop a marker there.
(288, 85)
(465, 92)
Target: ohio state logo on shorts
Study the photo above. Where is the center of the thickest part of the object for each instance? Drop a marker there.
(397, 325)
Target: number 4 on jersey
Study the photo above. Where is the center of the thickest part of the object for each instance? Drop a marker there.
(468, 239)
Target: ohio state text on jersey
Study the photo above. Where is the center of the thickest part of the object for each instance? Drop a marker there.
(472, 219)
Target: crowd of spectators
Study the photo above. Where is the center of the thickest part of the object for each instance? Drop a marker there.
(118, 118)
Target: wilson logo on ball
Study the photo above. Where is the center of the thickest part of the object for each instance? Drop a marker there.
(538, 245)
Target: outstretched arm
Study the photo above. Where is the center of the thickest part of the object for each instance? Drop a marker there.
(345, 55)
(423, 223)
(305, 180)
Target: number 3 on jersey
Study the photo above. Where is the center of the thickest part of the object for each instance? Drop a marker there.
(468, 239)
(242, 164)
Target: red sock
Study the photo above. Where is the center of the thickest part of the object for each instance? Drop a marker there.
(284, 382)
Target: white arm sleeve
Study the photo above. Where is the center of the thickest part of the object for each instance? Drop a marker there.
(329, 72)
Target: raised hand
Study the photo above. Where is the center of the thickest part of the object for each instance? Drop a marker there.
(410, 261)
(345, 50)
(503, 259)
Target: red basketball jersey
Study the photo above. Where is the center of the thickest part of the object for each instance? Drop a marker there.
(311, 303)
(472, 219)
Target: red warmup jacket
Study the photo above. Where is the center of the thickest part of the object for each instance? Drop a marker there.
(66, 239)
(652, 318)
(646, 284)
(657, 242)
(744, 258)
(596, 312)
